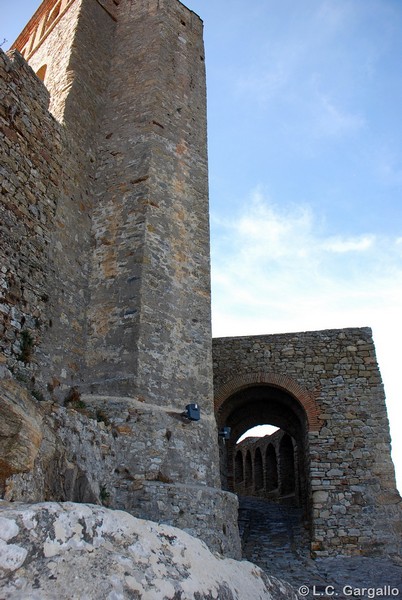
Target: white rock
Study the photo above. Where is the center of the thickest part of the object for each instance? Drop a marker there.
(8, 529)
(11, 556)
(80, 551)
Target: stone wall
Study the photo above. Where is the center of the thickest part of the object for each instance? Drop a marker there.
(133, 221)
(149, 321)
(31, 168)
(107, 261)
(47, 196)
(354, 505)
(91, 452)
(50, 53)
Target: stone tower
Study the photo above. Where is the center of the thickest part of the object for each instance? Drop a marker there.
(124, 317)
(105, 304)
(128, 79)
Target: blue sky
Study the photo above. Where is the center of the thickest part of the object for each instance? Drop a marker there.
(305, 160)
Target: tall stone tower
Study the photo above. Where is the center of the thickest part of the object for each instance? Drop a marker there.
(127, 260)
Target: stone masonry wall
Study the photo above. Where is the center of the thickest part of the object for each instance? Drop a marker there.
(77, 53)
(149, 316)
(31, 167)
(53, 51)
(356, 508)
(48, 175)
(122, 281)
(150, 307)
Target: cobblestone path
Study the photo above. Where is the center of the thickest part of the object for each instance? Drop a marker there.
(274, 538)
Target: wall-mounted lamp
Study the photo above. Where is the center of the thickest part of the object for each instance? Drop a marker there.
(192, 412)
(225, 432)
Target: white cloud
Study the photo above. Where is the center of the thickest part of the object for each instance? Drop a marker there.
(266, 233)
(275, 270)
(342, 245)
(282, 259)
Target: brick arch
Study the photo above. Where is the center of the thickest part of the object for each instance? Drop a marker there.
(289, 385)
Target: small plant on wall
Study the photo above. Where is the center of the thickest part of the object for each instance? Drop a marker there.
(73, 400)
(26, 347)
(104, 496)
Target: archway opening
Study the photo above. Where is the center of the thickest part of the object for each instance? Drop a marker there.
(274, 466)
(271, 464)
(287, 470)
(258, 471)
(239, 468)
(248, 480)
(268, 472)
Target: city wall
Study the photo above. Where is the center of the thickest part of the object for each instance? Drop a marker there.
(325, 389)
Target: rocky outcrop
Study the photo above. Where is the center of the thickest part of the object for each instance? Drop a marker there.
(76, 551)
(91, 452)
(49, 452)
(20, 430)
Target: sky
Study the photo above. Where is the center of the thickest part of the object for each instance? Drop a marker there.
(305, 167)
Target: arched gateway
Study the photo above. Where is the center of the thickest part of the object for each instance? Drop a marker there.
(274, 468)
(323, 390)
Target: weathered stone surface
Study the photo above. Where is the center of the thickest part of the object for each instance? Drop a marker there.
(82, 458)
(78, 551)
(20, 430)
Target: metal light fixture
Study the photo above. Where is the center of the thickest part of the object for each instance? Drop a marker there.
(192, 412)
(225, 432)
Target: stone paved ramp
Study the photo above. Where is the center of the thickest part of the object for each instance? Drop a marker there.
(274, 538)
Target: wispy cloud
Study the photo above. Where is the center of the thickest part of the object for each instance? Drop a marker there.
(341, 245)
(277, 269)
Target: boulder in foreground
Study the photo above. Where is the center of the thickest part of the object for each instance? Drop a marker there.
(86, 552)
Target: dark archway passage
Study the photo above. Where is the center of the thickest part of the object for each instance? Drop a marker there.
(239, 468)
(258, 405)
(248, 480)
(272, 469)
(258, 471)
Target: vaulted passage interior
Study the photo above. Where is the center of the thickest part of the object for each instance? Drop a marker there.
(268, 467)
(274, 467)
